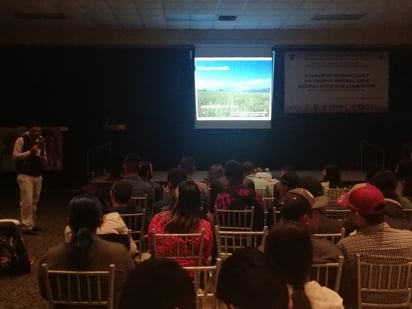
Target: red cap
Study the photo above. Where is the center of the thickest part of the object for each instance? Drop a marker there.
(364, 199)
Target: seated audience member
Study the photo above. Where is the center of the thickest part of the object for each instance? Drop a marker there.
(288, 252)
(404, 177)
(216, 183)
(146, 174)
(112, 227)
(140, 187)
(184, 217)
(236, 196)
(250, 171)
(188, 165)
(331, 177)
(299, 206)
(245, 282)
(313, 185)
(158, 283)
(288, 181)
(385, 181)
(174, 178)
(120, 195)
(85, 250)
(373, 236)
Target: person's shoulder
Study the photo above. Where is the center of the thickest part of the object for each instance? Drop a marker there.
(204, 224)
(322, 297)
(54, 254)
(110, 247)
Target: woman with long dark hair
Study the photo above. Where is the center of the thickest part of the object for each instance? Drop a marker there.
(288, 252)
(331, 177)
(86, 251)
(185, 217)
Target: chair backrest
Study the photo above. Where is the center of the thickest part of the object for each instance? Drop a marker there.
(188, 246)
(383, 281)
(267, 206)
(328, 274)
(240, 220)
(229, 241)
(205, 282)
(79, 288)
(335, 213)
(135, 222)
(138, 202)
(276, 215)
(333, 195)
(333, 237)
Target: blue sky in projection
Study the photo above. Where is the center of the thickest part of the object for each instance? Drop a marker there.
(233, 74)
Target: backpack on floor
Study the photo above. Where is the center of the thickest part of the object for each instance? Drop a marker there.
(14, 259)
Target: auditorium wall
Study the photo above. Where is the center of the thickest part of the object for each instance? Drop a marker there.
(150, 90)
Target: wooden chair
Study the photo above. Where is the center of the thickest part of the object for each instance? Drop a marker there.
(136, 225)
(333, 237)
(229, 241)
(235, 220)
(328, 274)
(333, 195)
(268, 203)
(188, 246)
(335, 213)
(383, 281)
(79, 288)
(205, 282)
(276, 215)
(138, 202)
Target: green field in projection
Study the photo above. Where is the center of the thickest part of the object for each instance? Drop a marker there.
(233, 104)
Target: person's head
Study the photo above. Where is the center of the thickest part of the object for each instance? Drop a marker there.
(249, 168)
(97, 192)
(245, 282)
(331, 173)
(404, 170)
(34, 130)
(85, 215)
(146, 170)
(188, 165)
(158, 283)
(121, 192)
(366, 202)
(300, 206)
(287, 168)
(187, 212)
(131, 163)
(385, 180)
(371, 171)
(288, 181)
(234, 172)
(174, 178)
(288, 252)
(216, 171)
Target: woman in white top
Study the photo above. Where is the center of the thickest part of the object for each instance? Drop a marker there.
(288, 252)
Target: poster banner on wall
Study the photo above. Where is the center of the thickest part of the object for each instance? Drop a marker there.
(53, 142)
(336, 81)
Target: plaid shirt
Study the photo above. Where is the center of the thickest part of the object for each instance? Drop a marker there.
(378, 239)
(159, 223)
(224, 200)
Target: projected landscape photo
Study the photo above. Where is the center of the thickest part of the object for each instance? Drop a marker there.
(233, 88)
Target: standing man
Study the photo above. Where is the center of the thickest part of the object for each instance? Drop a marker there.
(30, 155)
